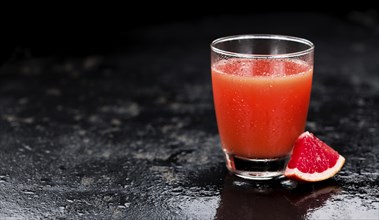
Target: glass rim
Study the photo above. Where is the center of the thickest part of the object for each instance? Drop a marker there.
(262, 36)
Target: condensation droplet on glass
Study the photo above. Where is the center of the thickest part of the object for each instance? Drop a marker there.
(251, 124)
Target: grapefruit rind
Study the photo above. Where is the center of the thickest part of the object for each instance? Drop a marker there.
(315, 177)
(304, 134)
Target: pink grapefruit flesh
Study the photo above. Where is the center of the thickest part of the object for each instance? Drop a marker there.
(312, 160)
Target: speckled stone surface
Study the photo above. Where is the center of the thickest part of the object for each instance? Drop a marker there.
(131, 133)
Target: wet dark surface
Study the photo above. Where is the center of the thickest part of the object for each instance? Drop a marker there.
(130, 133)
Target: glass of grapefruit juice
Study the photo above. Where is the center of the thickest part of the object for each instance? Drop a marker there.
(261, 89)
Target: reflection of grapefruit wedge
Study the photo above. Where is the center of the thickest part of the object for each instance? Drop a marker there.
(312, 160)
(317, 197)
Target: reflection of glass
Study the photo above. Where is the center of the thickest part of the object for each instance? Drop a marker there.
(261, 89)
(241, 199)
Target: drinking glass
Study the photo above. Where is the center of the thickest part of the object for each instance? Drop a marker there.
(261, 89)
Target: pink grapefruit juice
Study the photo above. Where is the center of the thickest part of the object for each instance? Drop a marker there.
(261, 105)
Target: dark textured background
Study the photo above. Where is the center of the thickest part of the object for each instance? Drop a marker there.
(107, 117)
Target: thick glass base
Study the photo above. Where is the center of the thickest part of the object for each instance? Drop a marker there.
(256, 169)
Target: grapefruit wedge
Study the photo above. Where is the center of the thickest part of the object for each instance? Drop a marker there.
(312, 160)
